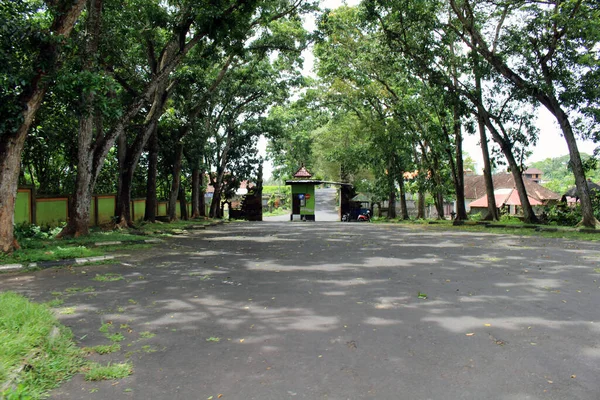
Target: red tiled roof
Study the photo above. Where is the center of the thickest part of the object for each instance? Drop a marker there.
(511, 198)
(302, 173)
(475, 187)
(531, 171)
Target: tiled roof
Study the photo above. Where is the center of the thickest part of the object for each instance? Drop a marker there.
(532, 171)
(510, 198)
(302, 173)
(475, 187)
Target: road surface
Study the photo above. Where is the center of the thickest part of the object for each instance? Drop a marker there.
(338, 311)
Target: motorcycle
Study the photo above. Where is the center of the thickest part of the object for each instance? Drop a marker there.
(364, 217)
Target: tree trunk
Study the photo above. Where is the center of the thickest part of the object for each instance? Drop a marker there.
(127, 170)
(403, 206)
(79, 206)
(11, 147)
(587, 210)
(506, 146)
(123, 200)
(392, 203)
(201, 200)
(459, 184)
(195, 193)
(421, 205)
(151, 200)
(215, 204)
(183, 204)
(438, 199)
(174, 194)
(90, 125)
(487, 170)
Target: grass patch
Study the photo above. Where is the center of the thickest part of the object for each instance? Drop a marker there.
(115, 337)
(98, 372)
(36, 352)
(67, 310)
(49, 253)
(57, 302)
(109, 277)
(148, 349)
(470, 226)
(147, 335)
(105, 328)
(73, 290)
(103, 349)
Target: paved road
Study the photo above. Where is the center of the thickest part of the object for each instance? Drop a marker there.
(331, 311)
(325, 207)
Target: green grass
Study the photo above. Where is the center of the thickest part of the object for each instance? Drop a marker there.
(103, 349)
(49, 253)
(110, 371)
(115, 337)
(56, 302)
(73, 290)
(48, 248)
(36, 352)
(147, 335)
(109, 277)
(512, 228)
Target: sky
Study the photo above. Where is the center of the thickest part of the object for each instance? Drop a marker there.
(550, 144)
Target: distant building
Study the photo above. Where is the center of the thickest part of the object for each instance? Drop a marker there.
(534, 174)
(475, 190)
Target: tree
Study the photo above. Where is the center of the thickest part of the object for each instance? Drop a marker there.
(30, 54)
(546, 50)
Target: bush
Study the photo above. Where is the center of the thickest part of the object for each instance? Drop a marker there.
(561, 214)
(30, 231)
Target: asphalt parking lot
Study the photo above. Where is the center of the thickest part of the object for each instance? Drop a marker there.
(338, 311)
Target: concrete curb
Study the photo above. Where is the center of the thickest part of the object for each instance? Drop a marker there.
(50, 264)
(115, 243)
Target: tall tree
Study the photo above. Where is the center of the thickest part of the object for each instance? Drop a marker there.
(546, 50)
(30, 55)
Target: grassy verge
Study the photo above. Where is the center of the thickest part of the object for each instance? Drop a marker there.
(41, 246)
(36, 352)
(510, 227)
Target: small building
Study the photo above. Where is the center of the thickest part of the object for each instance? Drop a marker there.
(534, 174)
(303, 195)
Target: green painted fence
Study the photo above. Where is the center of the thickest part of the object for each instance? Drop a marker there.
(53, 211)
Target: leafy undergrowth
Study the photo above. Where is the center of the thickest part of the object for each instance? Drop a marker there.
(36, 352)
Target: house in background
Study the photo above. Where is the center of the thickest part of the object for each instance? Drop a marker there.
(504, 193)
(506, 199)
(534, 174)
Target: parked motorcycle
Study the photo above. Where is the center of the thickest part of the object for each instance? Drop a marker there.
(364, 217)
